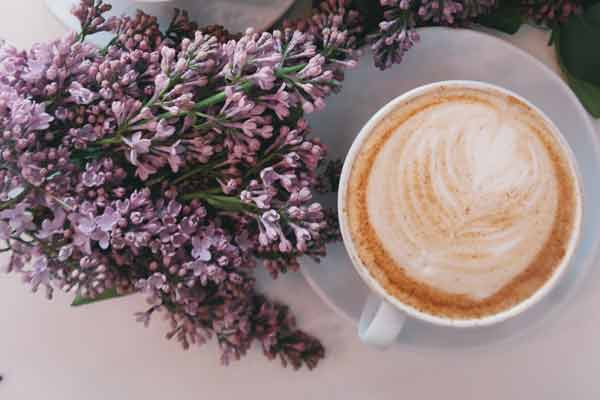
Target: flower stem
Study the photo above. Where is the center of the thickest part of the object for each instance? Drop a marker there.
(220, 97)
(22, 241)
(210, 101)
(111, 140)
(259, 165)
(104, 50)
(12, 202)
(227, 203)
(193, 172)
(282, 72)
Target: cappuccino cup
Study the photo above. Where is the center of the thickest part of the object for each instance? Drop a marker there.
(460, 204)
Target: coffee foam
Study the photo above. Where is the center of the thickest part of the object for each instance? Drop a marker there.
(466, 202)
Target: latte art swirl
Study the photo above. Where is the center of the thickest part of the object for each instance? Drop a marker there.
(455, 196)
(462, 201)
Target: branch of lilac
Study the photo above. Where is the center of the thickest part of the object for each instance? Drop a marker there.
(171, 164)
(396, 33)
(174, 163)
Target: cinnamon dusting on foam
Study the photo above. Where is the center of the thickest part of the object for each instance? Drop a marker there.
(461, 202)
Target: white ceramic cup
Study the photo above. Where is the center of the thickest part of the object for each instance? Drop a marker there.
(384, 315)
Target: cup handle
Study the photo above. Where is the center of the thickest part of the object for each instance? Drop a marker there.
(380, 322)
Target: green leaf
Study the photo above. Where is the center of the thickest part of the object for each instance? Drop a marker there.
(580, 45)
(506, 18)
(587, 92)
(106, 295)
(589, 3)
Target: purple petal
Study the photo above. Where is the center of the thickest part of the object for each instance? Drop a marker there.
(65, 252)
(163, 130)
(269, 176)
(200, 249)
(86, 225)
(107, 221)
(5, 231)
(80, 94)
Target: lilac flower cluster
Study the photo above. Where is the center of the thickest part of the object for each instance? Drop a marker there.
(172, 164)
(551, 12)
(92, 13)
(397, 31)
(451, 12)
(397, 34)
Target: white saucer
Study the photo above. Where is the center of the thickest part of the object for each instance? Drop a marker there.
(445, 54)
(235, 15)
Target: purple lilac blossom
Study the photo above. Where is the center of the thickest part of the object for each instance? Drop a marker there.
(551, 13)
(397, 32)
(173, 165)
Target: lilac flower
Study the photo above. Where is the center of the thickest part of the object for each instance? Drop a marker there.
(84, 227)
(144, 170)
(156, 282)
(396, 33)
(171, 154)
(80, 94)
(39, 274)
(261, 195)
(144, 317)
(208, 273)
(302, 237)
(161, 82)
(65, 252)
(138, 146)
(201, 248)
(89, 13)
(26, 114)
(33, 174)
(55, 226)
(5, 231)
(19, 219)
(278, 102)
(17, 261)
(125, 110)
(450, 12)
(92, 176)
(107, 221)
(39, 59)
(269, 177)
(163, 130)
(264, 78)
(168, 55)
(271, 229)
(169, 164)
(252, 49)
(551, 13)
(12, 64)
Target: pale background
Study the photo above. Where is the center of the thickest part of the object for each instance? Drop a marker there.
(51, 352)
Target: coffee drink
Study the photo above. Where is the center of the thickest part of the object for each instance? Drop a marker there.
(463, 202)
